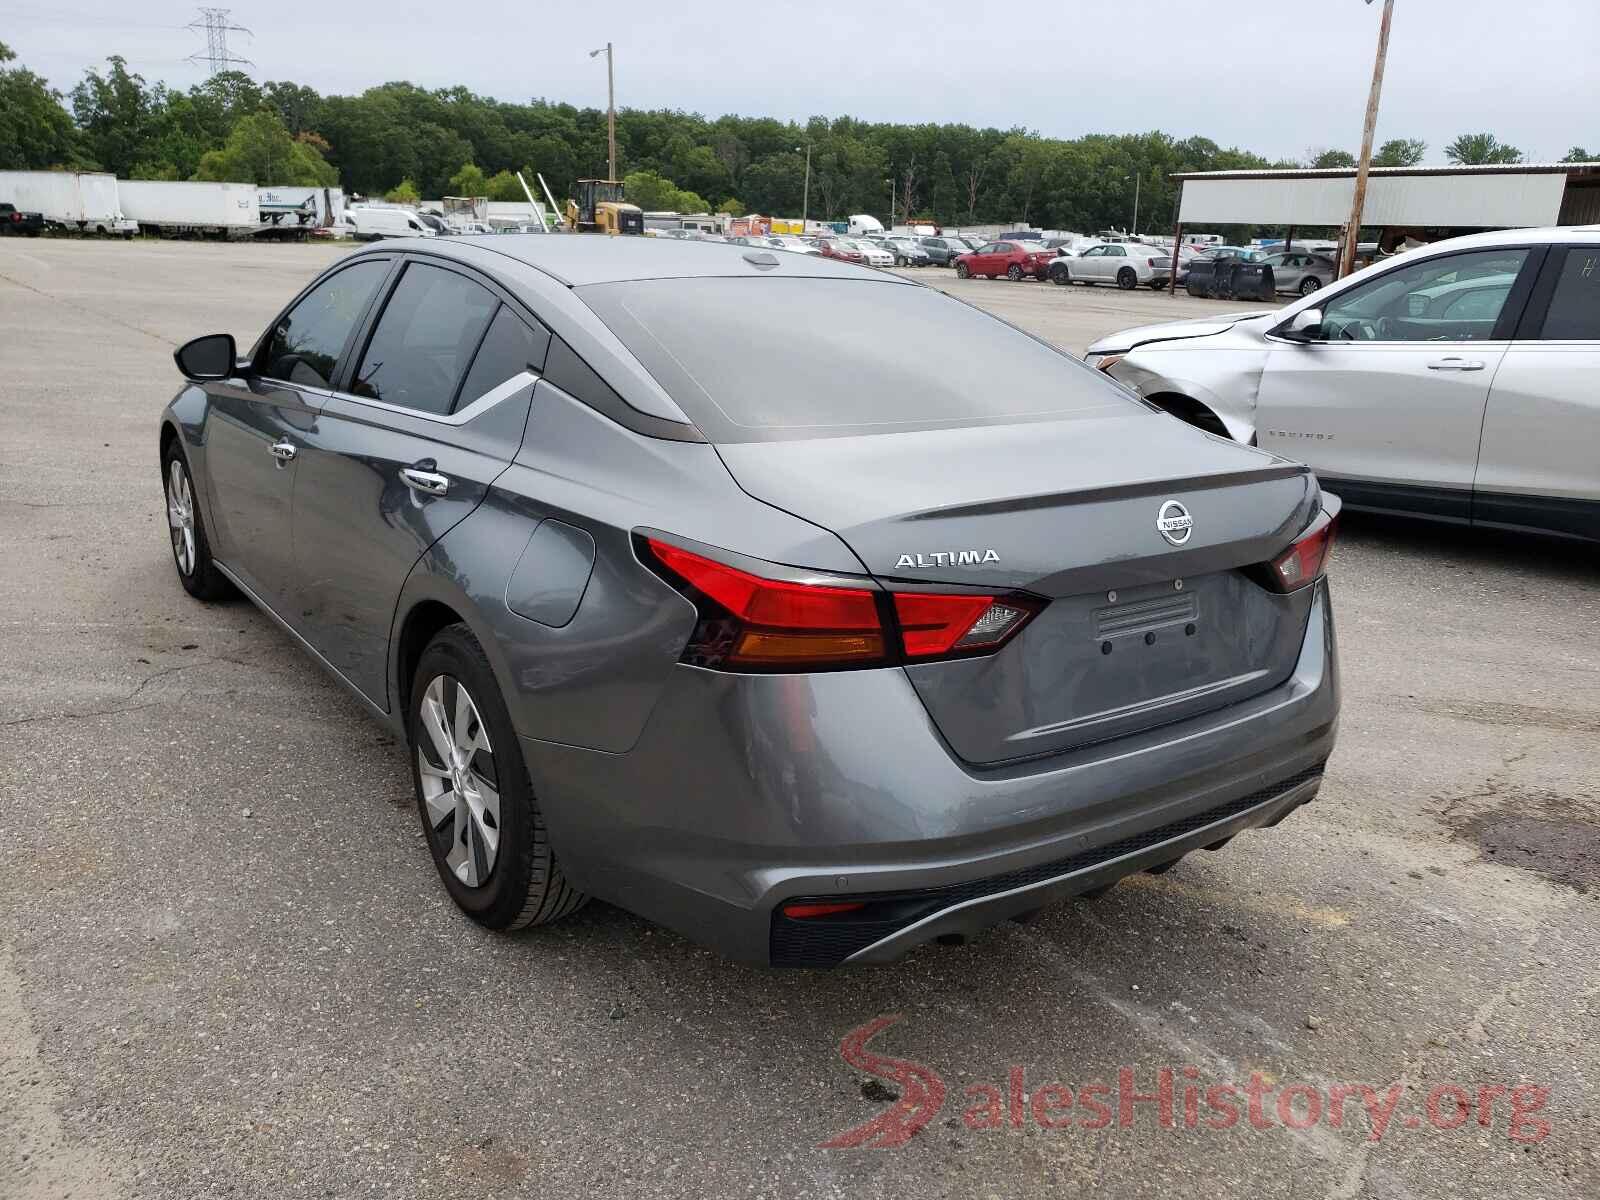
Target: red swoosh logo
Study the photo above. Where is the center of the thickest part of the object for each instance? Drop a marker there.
(921, 1092)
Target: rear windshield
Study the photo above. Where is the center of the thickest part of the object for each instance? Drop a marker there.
(764, 359)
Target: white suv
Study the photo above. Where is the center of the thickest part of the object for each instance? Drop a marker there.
(1455, 382)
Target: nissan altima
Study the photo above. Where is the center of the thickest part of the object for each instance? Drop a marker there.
(813, 646)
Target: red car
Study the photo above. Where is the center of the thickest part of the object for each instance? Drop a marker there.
(833, 249)
(1014, 260)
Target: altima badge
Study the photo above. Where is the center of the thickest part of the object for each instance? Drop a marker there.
(948, 558)
(1174, 522)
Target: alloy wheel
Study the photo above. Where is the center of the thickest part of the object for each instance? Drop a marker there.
(460, 782)
(180, 516)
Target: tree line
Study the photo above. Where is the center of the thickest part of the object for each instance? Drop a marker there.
(401, 141)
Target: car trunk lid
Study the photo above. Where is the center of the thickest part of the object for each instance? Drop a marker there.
(1139, 630)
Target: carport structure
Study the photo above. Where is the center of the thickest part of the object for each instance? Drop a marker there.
(1426, 202)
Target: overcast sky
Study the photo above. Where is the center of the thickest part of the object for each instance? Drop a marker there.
(1274, 76)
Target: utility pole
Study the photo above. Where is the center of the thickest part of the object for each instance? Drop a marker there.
(805, 195)
(1347, 258)
(1137, 180)
(611, 107)
(215, 23)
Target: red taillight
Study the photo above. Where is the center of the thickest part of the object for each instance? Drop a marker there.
(932, 624)
(748, 622)
(1305, 561)
(804, 912)
(1150, 262)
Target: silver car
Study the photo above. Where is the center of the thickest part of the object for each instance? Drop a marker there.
(730, 586)
(1455, 382)
(1300, 272)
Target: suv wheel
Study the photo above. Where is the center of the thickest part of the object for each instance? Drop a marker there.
(478, 811)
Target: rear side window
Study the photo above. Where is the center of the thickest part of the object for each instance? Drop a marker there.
(509, 348)
(1574, 313)
(305, 344)
(430, 327)
(856, 357)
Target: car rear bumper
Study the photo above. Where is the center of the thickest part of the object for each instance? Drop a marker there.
(744, 792)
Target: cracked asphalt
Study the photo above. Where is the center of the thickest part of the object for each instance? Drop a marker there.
(227, 969)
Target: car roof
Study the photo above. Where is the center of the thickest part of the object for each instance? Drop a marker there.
(577, 260)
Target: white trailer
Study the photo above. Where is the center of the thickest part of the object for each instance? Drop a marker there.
(87, 201)
(180, 209)
(286, 209)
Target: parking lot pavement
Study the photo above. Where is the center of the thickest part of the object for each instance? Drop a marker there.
(227, 968)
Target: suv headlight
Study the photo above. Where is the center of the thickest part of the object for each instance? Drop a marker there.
(1103, 362)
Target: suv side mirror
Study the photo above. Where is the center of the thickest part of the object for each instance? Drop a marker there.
(1304, 326)
(208, 358)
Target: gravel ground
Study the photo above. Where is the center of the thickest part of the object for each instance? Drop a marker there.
(226, 967)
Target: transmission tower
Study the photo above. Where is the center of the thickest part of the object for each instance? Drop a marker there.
(216, 24)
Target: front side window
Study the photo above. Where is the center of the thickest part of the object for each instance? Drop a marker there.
(430, 327)
(1455, 297)
(1574, 312)
(305, 344)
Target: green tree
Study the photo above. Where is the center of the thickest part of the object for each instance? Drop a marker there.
(689, 202)
(1578, 154)
(732, 207)
(1478, 149)
(1400, 152)
(469, 181)
(260, 151)
(650, 191)
(503, 185)
(1323, 159)
(115, 112)
(35, 130)
(404, 192)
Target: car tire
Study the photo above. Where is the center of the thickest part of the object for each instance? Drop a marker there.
(1310, 284)
(186, 529)
(1061, 275)
(474, 798)
(1014, 273)
(962, 272)
(1127, 279)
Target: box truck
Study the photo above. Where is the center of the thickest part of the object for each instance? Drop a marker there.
(86, 201)
(179, 209)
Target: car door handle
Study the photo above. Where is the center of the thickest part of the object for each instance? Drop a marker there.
(283, 451)
(1456, 364)
(422, 477)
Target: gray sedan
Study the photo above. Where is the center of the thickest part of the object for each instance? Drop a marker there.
(771, 638)
(1300, 272)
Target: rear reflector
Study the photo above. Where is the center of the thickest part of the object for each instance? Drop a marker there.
(803, 912)
(748, 622)
(1306, 560)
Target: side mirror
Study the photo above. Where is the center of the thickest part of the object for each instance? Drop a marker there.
(208, 358)
(1304, 326)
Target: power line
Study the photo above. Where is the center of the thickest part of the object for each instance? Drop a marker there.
(217, 26)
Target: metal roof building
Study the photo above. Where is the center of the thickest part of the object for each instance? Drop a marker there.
(1455, 197)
